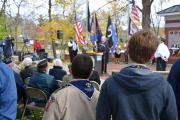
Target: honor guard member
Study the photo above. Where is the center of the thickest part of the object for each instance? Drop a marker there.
(78, 100)
(73, 49)
(8, 93)
(162, 54)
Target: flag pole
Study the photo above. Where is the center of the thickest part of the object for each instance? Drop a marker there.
(87, 35)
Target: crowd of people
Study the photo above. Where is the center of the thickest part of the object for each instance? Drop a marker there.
(133, 93)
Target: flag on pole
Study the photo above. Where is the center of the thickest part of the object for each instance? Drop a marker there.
(111, 35)
(78, 32)
(132, 27)
(96, 33)
(135, 14)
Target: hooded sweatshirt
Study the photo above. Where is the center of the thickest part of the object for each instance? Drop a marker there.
(136, 93)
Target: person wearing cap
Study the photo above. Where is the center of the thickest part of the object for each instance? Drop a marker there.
(162, 54)
(78, 100)
(43, 81)
(28, 70)
(57, 70)
(8, 93)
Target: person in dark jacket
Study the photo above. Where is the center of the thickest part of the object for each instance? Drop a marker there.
(57, 70)
(43, 81)
(174, 79)
(28, 70)
(104, 47)
(137, 93)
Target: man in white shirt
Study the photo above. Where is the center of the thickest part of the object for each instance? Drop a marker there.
(73, 49)
(162, 54)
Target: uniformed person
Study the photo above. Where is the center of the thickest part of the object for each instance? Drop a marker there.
(78, 100)
(43, 81)
(162, 54)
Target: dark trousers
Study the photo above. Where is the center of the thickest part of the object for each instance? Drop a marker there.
(161, 64)
(126, 57)
(104, 63)
(72, 54)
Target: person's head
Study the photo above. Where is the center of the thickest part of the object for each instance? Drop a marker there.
(57, 62)
(103, 39)
(42, 66)
(27, 62)
(163, 40)
(81, 66)
(141, 47)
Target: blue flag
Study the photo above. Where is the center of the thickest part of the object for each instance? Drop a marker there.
(96, 33)
(111, 35)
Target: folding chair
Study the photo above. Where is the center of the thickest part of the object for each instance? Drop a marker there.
(59, 83)
(26, 81)
(34, 93)
(95, 84)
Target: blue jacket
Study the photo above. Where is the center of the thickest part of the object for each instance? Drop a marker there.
(57, 72)
(136, 94)
(43, 81)
(8, 94)
(174, 80)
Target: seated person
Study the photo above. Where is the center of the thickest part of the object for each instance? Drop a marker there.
(95, 77)
(43, 81)
(20, 85)
(78, 100)
(57, 70)
(28, 70)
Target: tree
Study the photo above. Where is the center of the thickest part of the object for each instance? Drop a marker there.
(156, 19)
(146, 11)
(3, 7)
(118, 9)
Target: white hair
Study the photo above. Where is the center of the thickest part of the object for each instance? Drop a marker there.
(57, 62)
(27, 61)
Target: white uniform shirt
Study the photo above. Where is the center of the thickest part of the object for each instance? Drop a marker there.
(117, 49)
(162, 51)
(73, 45)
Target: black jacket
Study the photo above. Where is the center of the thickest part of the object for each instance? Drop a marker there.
(136, 94)
(57, 72)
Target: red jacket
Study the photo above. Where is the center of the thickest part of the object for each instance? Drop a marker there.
(37, 45)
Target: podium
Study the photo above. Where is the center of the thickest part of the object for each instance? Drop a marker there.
(97, 61)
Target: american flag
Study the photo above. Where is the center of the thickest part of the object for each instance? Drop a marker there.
(134, 13)
(79, 31)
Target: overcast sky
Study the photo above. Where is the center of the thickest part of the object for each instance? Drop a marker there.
(94, 5)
